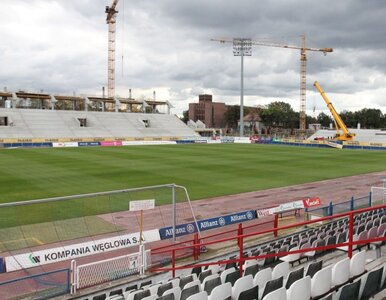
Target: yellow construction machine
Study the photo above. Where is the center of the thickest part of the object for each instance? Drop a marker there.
(342, 133)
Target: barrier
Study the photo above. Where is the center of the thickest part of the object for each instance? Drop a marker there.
(240, 238)
(39, 286)
(98, 272)
(207, 224)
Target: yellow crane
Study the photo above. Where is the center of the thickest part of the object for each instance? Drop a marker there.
(111, 22)
(303, 68)
(342, 133)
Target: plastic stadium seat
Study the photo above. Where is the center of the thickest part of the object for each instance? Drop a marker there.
(145, 283)
(279, 294)
(153, 288)
(214, 268)
(251, 270)
(189, 291)
(252, 293)
(349, 291)
(225, 273)
(138, 295)
(262, 277)
(250, 262)
(321, 282)
(115, 297)
(204, 274)
(242, 284)
(175, 281)
(341, 272)
(99, 297)
(176, 291)
(185, 279)
(370, 283)
(280, 270)
(167, 297)
(232, 277)
(193, 283)
(271, 286)
(164, 287)
(300, 289)
(210, 284)
(199, 296)
(291, 258)
(151, 297)
(223, 291)
(357, 264)
(294, 276)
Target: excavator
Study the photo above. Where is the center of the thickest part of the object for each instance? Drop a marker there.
(342, 133)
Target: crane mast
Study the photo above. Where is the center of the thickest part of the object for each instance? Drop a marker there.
(303, 69)
(111, 22)
(345, 135)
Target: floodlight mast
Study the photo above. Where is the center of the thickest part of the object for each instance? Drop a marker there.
(241, 47)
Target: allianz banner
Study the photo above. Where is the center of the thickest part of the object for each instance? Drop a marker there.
(207, 224)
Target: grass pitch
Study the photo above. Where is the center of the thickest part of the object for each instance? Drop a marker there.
(206, 170)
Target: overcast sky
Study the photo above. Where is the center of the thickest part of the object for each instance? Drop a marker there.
(60, 47)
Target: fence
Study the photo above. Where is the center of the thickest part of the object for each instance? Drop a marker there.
(331, 209)
(39, 286)
(240, 238)
(98, 272)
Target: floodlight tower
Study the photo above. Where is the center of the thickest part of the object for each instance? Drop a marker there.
(242, 47)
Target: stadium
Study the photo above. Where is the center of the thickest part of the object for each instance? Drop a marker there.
(138, 206)
(108, 197)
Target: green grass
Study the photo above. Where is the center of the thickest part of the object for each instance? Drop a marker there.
(206, 170)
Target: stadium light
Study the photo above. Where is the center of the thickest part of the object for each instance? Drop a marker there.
(242, 47)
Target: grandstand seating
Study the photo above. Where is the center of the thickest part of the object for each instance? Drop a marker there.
(35, 123)
(338, 277)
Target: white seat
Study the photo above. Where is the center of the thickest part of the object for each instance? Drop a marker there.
(250, 262)
(151, 297)
(130, 294)
(321, 282)
(222, 291)
(154, 288)
(214, 268)
(281, 269)
(242, 284)
(199, 296)
(224, 273)
(176, 291)
(193, 283)
(279, 294)
(341, 272)
(300, 289)
(175, 282)
(262, 277)
(357, 264)
(210, 277)
(291, 258)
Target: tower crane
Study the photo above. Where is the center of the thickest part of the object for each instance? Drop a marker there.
(303, 68)
(111, 22)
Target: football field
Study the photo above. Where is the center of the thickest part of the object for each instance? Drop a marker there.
(206, 170)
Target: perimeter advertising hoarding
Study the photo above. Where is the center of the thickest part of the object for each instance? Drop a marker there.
(207, 224)
(66, 252)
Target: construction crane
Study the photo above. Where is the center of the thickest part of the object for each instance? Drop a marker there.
(303, 68)
(342, 133)
(111, 22)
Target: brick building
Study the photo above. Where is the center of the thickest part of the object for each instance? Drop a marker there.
(212, 114)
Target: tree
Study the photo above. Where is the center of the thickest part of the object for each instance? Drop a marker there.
(232, 116)
(185, 116)
(324, 120)
(279, 114)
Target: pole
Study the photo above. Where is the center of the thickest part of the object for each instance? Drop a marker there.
(140, 227)
(242, 93)
(174, 211)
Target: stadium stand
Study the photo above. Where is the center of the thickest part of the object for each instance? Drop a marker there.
(361, 135)
(330, 274)
(35, 123)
